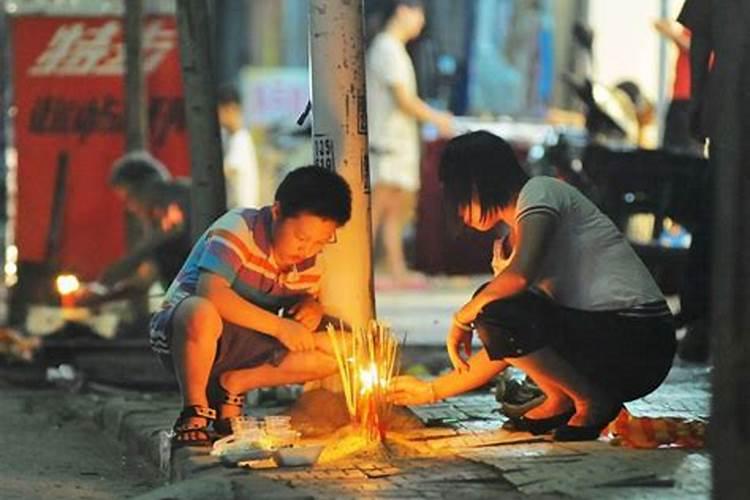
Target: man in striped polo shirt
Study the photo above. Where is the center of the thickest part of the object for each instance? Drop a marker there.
(243, 310)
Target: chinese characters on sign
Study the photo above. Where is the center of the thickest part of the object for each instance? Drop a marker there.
(77, 49)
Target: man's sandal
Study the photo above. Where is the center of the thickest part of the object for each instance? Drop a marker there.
(223, 426)
(191, 434)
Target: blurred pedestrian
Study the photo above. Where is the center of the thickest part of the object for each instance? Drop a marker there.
(160, 204)
(394, 112)
(240, 161)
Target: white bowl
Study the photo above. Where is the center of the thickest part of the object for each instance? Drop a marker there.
(297, 456)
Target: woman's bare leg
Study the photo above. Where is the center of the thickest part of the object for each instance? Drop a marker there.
(563, 385)
(393, 238)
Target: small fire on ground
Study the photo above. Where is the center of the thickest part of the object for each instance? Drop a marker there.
(368, 358)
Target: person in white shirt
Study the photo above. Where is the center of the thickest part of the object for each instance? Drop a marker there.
(240, 162)
(394, 111)
(571, 303)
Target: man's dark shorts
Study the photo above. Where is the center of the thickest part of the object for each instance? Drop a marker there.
(238, 347)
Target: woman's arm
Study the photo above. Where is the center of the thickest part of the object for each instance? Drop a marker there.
(412, 105)
(673, 32)
(407, 390)
(481, 371)
(534, 234)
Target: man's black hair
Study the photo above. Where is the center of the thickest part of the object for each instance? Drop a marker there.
(316, 191)
(483, 162)
(228, 94)
(391, 5)
(161, 194)
(136, 169)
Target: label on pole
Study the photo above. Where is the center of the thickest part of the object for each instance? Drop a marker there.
(365, 172)
(362, 114)
(324, 152)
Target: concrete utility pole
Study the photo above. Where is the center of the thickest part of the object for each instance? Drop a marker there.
(206, 169)
(136, 123)
(337, 80)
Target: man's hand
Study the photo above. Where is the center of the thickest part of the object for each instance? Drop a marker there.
(295, 336)
(410, 391)
(172, 218)
(91, 294)
(458, 337)
(309, 312)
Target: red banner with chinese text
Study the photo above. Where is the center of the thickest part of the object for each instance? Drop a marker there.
(69, 93)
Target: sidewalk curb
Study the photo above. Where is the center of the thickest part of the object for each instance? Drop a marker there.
(141, 426)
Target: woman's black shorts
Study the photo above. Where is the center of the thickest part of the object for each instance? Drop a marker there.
(627, 354)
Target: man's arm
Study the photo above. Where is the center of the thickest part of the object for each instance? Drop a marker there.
(94, 294)
(142, 252)
(234, 308)
(673, 32)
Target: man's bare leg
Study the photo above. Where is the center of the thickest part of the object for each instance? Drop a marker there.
(295, 368)
(196, 328)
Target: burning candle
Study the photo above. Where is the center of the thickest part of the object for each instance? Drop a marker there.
(67, 286)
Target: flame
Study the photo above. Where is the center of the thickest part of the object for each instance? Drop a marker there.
(368, 378)
(367, 359)
(67, 284)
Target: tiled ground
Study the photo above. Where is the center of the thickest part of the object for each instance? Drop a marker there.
(463, 451)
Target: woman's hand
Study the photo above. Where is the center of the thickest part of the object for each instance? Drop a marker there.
(309, 312)
(457, 337)
(406, 390)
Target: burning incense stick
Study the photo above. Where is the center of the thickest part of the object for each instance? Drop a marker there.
(368, 359)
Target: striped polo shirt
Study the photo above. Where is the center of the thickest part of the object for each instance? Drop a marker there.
(237, 247)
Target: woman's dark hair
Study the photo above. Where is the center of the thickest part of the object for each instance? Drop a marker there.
(482, 161)
(316, 191)
(161, 194)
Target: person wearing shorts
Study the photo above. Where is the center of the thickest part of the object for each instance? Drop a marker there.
(394, 111)
(243, 312)
(571, 304)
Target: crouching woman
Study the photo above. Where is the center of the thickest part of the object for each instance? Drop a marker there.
(571, 304)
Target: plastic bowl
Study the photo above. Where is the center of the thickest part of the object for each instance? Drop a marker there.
(243, 424)
(297, 456)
